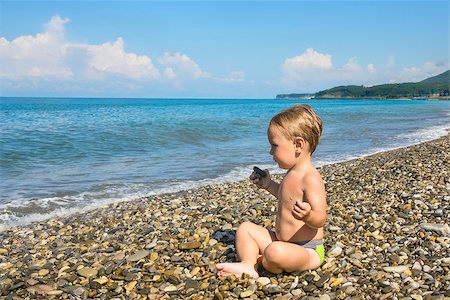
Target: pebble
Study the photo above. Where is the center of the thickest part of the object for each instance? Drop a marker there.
(263, 280)
(43, 272)
(40, 289)
(101, 280)
(396, 269)
(249, 291)
(138, 255)
(170, 288)
(189, 245)
(335, 251)
(87, 272)
(417, 266)
(442, 229)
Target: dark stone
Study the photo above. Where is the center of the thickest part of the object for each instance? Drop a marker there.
(191, 284)
(324, 278)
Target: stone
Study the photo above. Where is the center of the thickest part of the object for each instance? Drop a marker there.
(40, 289)
(55, 293)
(442, 229)
(191, 284)
(189, 245)
(101, 280)
(170, 288)
(445, 262)
(263, 280)
(322, 280)
(130, 286)
(249, 291)
(138, 255)
(396, 269)
(32, 281)
(87, 272)
(309, 287)
(417, 266)
(334, 252)
(195, 271)
(43, 272)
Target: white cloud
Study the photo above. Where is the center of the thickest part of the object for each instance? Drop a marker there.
(111, 57)
(310, 60)
(312, 71)
(48, 55)
(169, 73)
(55, 27)
(414, 74)
(180, 66)
(35, 56)
(236, 76)
(352, 66)
(49, 63)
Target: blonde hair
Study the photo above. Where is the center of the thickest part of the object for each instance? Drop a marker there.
(299, 121)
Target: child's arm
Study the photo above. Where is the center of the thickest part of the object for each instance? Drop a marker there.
(273, 188)
(312, 210)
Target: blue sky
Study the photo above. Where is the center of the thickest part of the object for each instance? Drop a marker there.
(218, 49)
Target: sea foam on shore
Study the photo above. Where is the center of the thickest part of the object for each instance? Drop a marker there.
(387, 236)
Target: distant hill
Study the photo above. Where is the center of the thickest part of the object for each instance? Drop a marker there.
(295, 96)
(436, 87)
(441, 78)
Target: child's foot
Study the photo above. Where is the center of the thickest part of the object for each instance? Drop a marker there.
(237, 269)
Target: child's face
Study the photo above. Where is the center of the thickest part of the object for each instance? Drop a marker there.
(282, 149)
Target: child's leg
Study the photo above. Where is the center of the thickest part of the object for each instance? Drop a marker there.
(290, 257)
(251, 240)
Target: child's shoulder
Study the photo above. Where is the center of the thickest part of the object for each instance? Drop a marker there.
(305, 174)
(308, 177)
(313, 180)
(303, 177)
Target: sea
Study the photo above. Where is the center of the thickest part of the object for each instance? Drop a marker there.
(65, 155)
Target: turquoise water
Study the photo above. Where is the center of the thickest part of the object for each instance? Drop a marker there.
(64, 155)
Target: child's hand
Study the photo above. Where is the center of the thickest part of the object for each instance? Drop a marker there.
(301, 210)
(262, 182)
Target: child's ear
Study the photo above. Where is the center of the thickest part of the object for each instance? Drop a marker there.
(300, 144)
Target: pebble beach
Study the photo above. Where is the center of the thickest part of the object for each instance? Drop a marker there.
(387, 237)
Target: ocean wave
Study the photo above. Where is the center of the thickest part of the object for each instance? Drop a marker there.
(399, 141)
(21, 212)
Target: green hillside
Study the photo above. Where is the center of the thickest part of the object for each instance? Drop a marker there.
(433, 87)
(441, 78)
(436, 87)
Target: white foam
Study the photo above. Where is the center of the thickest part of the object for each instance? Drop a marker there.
(88, 200)
(425, 134)
(400, 141)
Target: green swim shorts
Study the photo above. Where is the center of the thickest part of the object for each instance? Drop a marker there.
(317, 245)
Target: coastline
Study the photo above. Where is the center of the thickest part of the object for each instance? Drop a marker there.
(387, 235)
(331, 97)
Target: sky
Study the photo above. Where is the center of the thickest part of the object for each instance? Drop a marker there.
(216, 49)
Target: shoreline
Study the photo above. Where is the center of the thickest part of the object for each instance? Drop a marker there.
(196, 185)
(166, 245)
